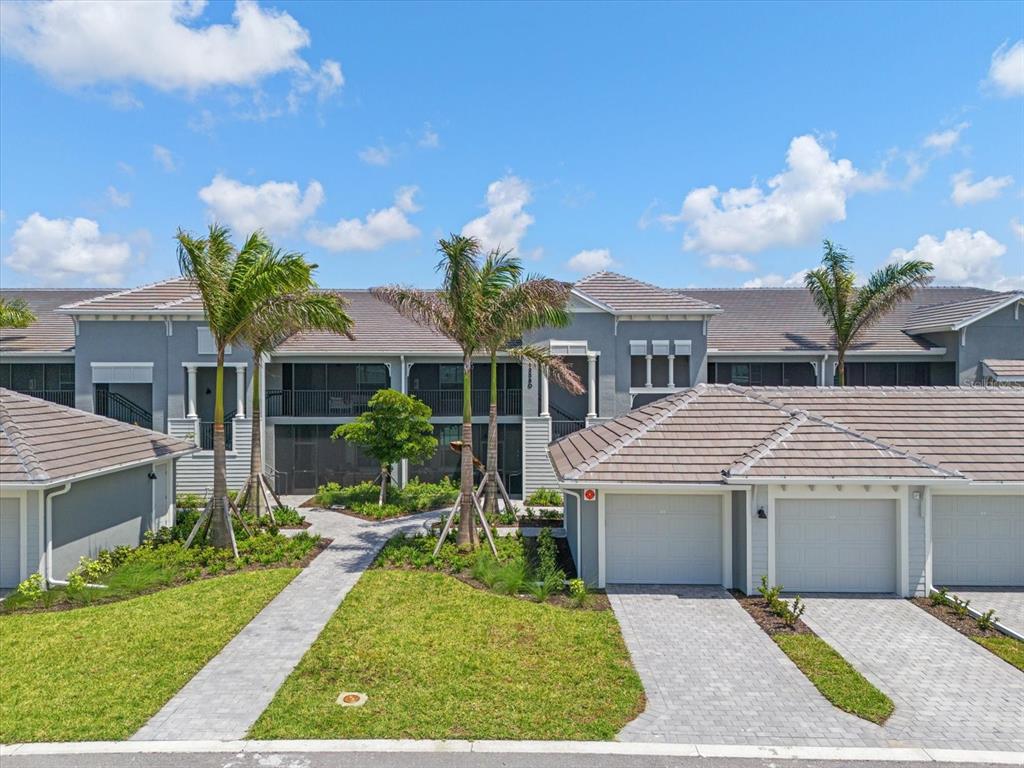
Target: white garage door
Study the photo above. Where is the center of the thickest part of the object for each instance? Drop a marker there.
(835, 545)
(656, 539)
(10, 543)
(978, 540)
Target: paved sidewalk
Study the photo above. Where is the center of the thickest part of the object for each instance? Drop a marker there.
(713, 676)
(1008, 603)
(948, 691)
(228, 695)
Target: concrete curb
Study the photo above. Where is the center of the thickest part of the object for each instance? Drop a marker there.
(850, 754)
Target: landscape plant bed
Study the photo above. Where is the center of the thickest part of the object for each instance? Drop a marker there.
(1009, 649)
(101, 673)
(833, 676)
(440, 660)
(387, 512)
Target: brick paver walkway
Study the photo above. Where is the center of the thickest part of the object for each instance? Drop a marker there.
(712, 676)
(233, 689)
(949, 691)
(1008, 603)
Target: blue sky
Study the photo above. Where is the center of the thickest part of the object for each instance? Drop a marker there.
(699, 144)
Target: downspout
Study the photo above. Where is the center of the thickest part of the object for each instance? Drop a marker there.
(49, 541)
(824, 371)
(579, 528)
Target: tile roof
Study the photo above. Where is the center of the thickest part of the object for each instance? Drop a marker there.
(696, 435)
(51, 333)
(954, 315)
(787, 320)
(174, 295)
(379, 329)
(42, 443)
(1007, 368)
(624, 295)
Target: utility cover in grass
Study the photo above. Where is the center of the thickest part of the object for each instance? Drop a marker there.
(439, 659)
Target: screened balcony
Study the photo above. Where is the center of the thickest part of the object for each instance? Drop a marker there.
(331, 389)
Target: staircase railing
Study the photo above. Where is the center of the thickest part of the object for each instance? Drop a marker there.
(563, 423)
(114, 405)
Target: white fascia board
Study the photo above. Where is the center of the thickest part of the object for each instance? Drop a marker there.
(41, 355)
(642, 487)
(871, 480)
(1009, 302)
(817, 353)
(52, 483)
(591, 301)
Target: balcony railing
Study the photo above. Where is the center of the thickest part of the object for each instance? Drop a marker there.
(448, 402)
(317, 402)
(58, 396)
(206, 435)
(561, 427)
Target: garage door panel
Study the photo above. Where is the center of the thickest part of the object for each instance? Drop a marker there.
(978, 540)
(835, 545)
(663, 539)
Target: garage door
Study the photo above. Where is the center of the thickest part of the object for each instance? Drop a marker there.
(835, 545)
(10, 543)
(978, 540)
(655, 539)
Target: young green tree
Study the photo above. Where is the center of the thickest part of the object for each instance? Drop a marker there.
(511, 307)
(237, 286)
(15, 313)
(849, 309)
(303, 310)
(395, 426)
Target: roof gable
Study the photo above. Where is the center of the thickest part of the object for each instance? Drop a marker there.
(621, 295)
(953, 316)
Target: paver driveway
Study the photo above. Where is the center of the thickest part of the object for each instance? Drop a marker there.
(712, 676)
(948, 691)
(1008, 603)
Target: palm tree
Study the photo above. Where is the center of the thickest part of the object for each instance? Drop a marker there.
(237, 288)
(453, 311)
(513, 306)
(848, 310)
(301, 310)
(15, 313)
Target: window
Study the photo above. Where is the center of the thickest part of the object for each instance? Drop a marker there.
(450, 375)
(740, 374)
(880, 374)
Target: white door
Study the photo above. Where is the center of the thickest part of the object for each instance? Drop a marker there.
(978, 541)
(162, 510)
(835, 545)
(663, 539)
(10, 543)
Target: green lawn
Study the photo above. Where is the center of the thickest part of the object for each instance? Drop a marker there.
(833, 676)
(1009, 649)
(440, 659)
(101, 672)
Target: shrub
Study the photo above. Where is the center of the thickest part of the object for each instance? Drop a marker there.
(76, 583)
(770, 594)
(939, 597)
(544, 588)
(960, 607)
(288, 517)
(545, 497)
(189, 501)
(547, 554)
(377, 511)
(578, 592)
(791, 614)
(507, 516)
(31, 588)
(509, 578)
(987, 620)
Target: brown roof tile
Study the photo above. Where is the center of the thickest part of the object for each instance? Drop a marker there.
(623, 294)
(52, 333)
(954, 315)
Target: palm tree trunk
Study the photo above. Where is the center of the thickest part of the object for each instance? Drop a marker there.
(466, 537)
(841, 367)
(491, 502)
(255, 489)
(219, 535)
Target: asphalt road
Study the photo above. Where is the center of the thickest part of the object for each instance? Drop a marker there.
(420, 760)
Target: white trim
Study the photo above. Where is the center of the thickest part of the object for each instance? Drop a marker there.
(748, 528)
(655, 390)
(717, 352)
(213, 364)
(770, 512)
(727, 540)
(41, 355)
(48, 484)
(903, 544)
(643, 487)
(926, 505)
(961, 324)
(121, 365)
(601, 541)
(840, 481)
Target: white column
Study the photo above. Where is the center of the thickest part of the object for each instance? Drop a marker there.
(591, 385)
(648, 383)
(544, 392)
(240, 391)
(191, 394)
(671, 370)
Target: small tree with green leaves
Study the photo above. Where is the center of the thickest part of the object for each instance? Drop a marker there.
(395, 426)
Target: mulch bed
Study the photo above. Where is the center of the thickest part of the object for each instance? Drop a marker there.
(757, 607)
(965, 625)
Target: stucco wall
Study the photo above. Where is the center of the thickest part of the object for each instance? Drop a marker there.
(100, 513)
(998, 336)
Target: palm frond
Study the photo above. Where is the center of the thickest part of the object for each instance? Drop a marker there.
(15, 313)
(886, 288)
(426, 308)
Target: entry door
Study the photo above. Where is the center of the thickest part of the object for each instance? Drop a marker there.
(304, 466)
(978, 541)
(663, 539)
(10, 543)
(835, 545)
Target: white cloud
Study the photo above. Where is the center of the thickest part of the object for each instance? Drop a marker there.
(962, 257)
(377, 230)
(277, 207)
(943, 141)
(117, 198)
(430, 138)
(1017, 227)
(506, 221)
(593, 260)
(772, 280)
(967, 193)
(61, 250)
(125, 168)
(203, 123)
(162, 45)
(1006, 73)
(380, 155)
(794, 209)
(163, 156)
(731, 261)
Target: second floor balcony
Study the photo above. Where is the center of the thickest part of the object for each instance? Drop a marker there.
(448, 402)
(317, 402)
